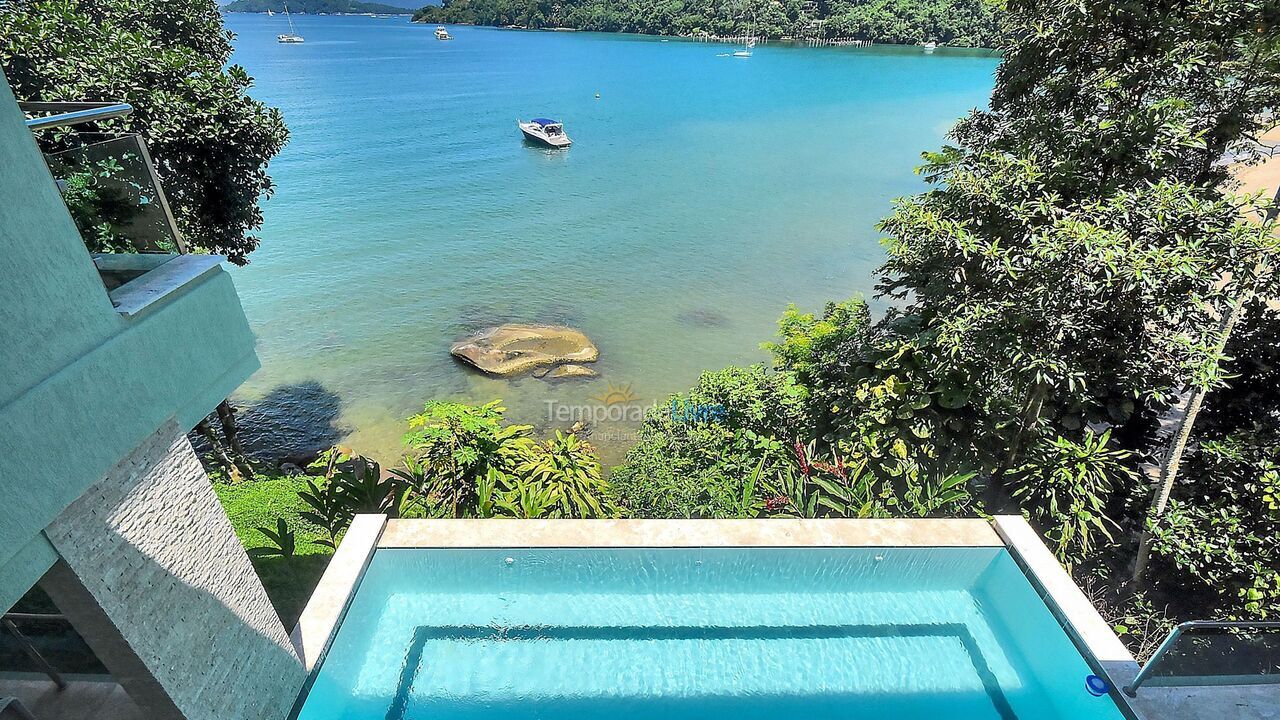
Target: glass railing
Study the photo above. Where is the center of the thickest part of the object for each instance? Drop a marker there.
(1204, 652)
(110, 186)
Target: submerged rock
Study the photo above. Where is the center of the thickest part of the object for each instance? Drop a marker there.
(512, 349)
(703, 317)
(571, 371)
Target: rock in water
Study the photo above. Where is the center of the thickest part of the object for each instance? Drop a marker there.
(571, 371)
(512, 349)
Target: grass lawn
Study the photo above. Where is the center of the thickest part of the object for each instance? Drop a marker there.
(254, 504)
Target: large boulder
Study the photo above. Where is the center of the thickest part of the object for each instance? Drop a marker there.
(513, 349)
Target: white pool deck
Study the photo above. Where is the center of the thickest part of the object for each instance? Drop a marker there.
(324, 611)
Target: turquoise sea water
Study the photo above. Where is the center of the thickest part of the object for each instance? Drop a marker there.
(662, 634)
(701, 196)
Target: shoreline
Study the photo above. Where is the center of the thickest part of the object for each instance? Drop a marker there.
(711, 39)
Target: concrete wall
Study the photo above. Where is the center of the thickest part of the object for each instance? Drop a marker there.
(159, 585)
(81, 385)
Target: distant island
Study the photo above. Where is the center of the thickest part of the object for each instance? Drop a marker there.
(963, 23)
(316, 7)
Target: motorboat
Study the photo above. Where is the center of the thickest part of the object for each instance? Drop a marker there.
(545, 131)
(930, 46)
(442, 33)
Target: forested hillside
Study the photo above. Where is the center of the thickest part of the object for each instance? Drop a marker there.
(315, 7)
(971, 23)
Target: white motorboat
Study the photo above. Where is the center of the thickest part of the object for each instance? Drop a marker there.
(930, 46)
(545, 131)
(442, 33)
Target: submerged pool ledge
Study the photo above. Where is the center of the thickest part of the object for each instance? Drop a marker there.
(688, 533)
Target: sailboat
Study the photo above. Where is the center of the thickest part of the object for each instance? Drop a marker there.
(292, 36)
(270, 14)
(745, 52)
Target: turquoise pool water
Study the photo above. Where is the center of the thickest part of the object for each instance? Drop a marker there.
(670, 634)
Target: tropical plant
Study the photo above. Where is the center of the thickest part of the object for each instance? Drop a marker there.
(1065, 486)
(450, 446)
(527, 500)
(568, 468)
(350, 485)
(328, 509)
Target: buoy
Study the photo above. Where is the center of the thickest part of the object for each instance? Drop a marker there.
(1096, 686)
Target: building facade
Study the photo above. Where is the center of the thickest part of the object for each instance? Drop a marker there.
(104, 503)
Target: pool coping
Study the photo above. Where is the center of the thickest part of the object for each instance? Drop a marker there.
(499, 533)
(320, 619)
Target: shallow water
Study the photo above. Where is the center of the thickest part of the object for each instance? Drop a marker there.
(701, 196)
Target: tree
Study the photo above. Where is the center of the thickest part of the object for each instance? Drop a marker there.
(210, 141)
(1079, 251)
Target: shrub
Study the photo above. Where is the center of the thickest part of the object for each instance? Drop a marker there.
(451, 445)
(1064, 485)
(1220, 538)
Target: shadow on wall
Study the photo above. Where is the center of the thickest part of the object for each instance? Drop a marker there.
(291, 424)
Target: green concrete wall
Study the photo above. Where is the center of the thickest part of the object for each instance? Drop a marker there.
(80, 385)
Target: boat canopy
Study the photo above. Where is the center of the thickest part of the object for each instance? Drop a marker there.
(543, 122)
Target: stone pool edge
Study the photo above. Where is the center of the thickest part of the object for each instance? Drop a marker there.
(328, 603)
(498, 533)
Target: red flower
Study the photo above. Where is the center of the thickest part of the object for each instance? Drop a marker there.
(804, 462)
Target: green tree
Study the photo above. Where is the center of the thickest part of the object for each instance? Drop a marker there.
(210, 141)
(1078, 251)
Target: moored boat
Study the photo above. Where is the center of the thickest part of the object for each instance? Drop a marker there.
(545, 131)
(442, 33)
(291, 37)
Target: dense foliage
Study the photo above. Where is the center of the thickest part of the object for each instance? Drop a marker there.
(970, 23)
(210, 141)
(316, 7)
(1078, 275)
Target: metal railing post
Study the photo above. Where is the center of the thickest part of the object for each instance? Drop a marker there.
(33, 653)
(1132, 688)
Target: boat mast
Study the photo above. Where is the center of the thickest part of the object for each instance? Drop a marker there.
(290, 19)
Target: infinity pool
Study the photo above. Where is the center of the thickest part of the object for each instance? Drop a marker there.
(675, 634)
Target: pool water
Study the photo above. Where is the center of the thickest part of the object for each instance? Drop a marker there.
(670, 634)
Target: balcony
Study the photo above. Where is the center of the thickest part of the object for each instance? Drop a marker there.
(112, 191)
